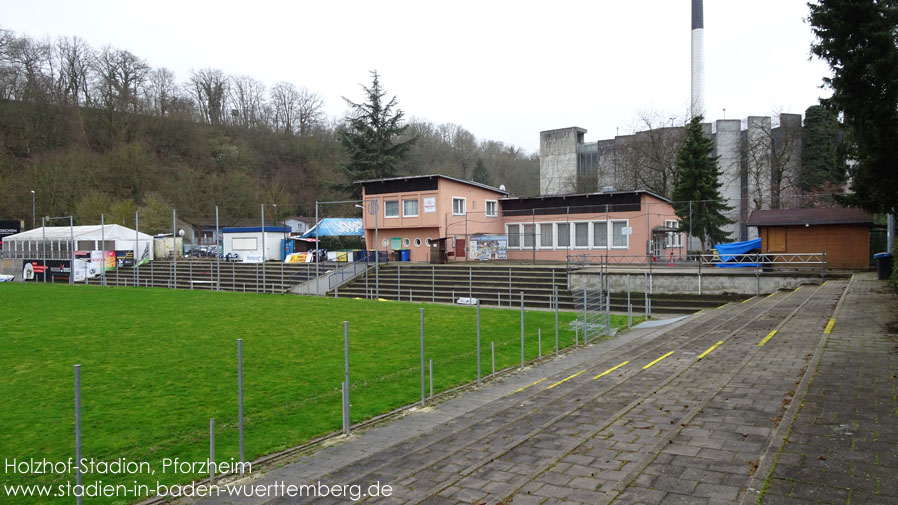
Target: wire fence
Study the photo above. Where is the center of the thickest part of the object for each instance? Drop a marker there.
(235, 430)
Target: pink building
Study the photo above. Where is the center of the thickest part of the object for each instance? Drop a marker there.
(414, 211)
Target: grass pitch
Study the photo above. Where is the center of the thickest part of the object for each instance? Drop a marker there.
(157, 364)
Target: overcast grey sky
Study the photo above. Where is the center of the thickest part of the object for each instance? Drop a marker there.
(504, 70)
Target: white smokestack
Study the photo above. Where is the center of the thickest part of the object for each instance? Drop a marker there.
(698, 59)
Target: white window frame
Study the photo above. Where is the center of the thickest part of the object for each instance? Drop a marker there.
(398, 205)
(592, 235)
(558, 227)
(417, 205)
(524, 235)
(574, 234)
(673, 239)
(495, 208)
(611, 234)
(464, 205)
(508, 233)
(539, 235)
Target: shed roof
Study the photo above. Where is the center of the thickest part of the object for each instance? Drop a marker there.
(816, 215)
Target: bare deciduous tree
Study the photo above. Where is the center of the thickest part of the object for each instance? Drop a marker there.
(74, 57)
(309, 110)
(162, 91)
(209, 87)
(247, 99)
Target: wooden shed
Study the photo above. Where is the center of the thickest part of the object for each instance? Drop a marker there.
(842, 233)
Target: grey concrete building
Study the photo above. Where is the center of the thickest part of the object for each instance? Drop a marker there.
(759, 163)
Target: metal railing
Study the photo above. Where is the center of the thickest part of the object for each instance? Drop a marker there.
(764, 261)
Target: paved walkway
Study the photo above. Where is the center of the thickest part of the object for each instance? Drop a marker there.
(843, 445)
(692, 413)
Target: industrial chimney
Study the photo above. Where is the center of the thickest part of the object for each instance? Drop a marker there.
(698, 59)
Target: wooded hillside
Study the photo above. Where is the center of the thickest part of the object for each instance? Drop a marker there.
(96, 131)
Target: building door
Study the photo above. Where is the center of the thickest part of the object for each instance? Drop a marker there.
(776, 239)
(460, 247)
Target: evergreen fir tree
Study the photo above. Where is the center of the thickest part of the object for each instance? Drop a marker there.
(822, 157)
(371, 137)
(857, 39)
(698, 180)
(481, 174)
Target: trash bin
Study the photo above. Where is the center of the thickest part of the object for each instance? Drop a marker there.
(883, 265)
(396, 255)
(406, 254)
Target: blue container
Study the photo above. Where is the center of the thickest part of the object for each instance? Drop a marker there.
(883, 265)
(406, 254)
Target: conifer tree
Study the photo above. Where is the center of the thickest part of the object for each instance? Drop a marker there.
(698, 181)
(371, 137)
(857, 38)
(481, 174)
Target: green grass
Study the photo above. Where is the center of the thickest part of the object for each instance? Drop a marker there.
(157, 364)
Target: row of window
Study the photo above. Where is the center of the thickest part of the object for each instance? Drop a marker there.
(584, 235)
(459, 207)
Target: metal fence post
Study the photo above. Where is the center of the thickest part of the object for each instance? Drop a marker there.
(470, 281)
(608, 312)
(78, 497)
(522, 329)
(555, 296)
(433, 284)
(539, 342)
(493, 354)
(478, 342)
(211, 449)
(398, 281)
(430, 369)
(629, 305)
(240, 396)
(645, 285)
(422, 356)
(346, 416)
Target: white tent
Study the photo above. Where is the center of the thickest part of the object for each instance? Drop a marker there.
(57, 241)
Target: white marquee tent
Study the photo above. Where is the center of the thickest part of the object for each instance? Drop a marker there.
(58, 240)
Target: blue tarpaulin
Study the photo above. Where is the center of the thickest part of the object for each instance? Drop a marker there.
(728, 252)
(337, 227)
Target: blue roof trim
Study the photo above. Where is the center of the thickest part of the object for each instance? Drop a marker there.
(256, 229)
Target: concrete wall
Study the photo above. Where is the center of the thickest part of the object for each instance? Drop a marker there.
(713, 282)
(12, 267)
(558, 160)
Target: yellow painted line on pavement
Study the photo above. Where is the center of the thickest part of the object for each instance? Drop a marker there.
(771, 294)
(768, 337)
(606, 372)
(528, 385)
(657, 360)
(824, 283)
(829, 326)
(799, 287)
(715, 346)
(562, 381)
(747, 299)
(722, 306)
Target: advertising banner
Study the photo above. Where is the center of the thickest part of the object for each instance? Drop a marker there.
(109, 260)
(144, 256)
(489, 247)
(124, 258)
(8, 228)
(56, 271)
